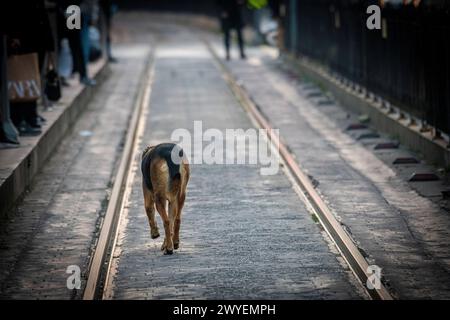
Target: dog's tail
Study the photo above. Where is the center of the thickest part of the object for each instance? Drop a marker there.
(172, 155)
(173, 160)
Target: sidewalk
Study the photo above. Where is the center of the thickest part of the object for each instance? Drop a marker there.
(56, 223)
(19, 165)
(401, 226)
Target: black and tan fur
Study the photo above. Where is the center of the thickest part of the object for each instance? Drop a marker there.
(164, 181)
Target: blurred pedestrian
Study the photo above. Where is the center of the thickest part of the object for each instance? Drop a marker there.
(231, 18)
(28, 32)
(74, 36)
(8, 133)
(108, 9)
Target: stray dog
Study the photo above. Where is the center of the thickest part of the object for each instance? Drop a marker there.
(165, 173)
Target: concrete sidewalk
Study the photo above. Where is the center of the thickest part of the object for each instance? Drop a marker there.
(19, 165)
(401, 226)
(55, 225)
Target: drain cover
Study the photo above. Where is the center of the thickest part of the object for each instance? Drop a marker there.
(314, 94)
(325, 102)
(370, 135)
(356, 126)
(386, 145)
(405, 161)
(423, 177)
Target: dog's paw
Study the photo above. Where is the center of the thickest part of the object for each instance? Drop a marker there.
(163, 246)
(176, 245)
(154, 233)
(166, 249)
(168, 252)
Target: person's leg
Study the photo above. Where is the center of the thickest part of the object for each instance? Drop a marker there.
(108, 33)
(21, 112)
(84, 34)
(31, 114)
(16, 113)
(226, 37)
(65, 61)
(241, 42)
(74, 44)
(84, 77)
(79, 62)
(7, 131)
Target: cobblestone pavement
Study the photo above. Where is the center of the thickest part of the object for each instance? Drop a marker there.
(243, 235)
(54, 225)
(398, 224)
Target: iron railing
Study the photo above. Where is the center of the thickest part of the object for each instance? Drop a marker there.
(407, 62)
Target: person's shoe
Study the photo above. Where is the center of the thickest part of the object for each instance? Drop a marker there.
(41, 119)
(64, 82)
(30, 132)
(243, 56)
(88, 81)
(112, 60)
(8, 144)
(25, 130)
(34, 123)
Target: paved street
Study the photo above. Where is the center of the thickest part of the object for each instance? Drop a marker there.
(243, 235)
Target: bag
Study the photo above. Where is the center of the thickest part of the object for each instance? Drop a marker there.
(24, 82)
(52, 86)
(52, 81)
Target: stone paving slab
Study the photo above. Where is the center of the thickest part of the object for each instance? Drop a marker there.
(20, 164)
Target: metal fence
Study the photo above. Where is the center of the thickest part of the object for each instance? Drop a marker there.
(406, 62)
(207, 7)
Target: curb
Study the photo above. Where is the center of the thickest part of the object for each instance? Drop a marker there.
(434, 151)
(21, 176)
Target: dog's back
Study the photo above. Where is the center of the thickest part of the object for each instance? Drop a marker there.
(161, 174)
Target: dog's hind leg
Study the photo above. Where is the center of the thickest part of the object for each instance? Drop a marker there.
(173, 206)
(167, 245)
(149, 203)
(176, 233)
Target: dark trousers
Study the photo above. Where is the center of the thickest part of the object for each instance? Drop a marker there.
(79, 62)
(226, 33)
(24, 111)
(107, 11)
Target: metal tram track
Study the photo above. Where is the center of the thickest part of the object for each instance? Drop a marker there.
(98, 271)
(345, 245)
